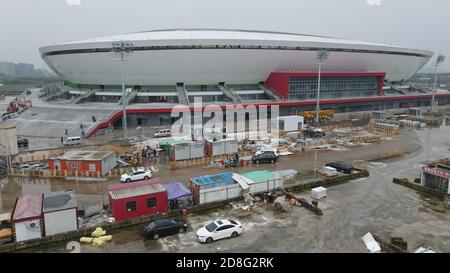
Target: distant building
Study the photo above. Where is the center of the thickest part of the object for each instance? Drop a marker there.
(82, 162)
(7, 69)
(24, 70)
(436, 178)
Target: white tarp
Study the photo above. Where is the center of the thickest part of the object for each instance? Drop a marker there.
(425, 250)
(372, 245)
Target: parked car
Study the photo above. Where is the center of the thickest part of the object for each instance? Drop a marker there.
(25, 166)
(341, 166)
(22, 142)
(163, 133)
(274, 151)
(72, 141)
(269, 157)
(219, 229)
(139, 174)
(38, 165)
(164, 227)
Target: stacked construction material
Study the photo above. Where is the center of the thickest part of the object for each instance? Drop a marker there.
(99, 238)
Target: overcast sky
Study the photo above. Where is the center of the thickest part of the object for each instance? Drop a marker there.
(28, 24)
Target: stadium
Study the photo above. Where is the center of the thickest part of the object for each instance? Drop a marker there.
(166, 67)
(207, 57)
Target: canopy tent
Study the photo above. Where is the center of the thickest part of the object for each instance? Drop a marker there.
(176, 190)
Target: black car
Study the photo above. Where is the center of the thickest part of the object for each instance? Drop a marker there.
(340, 166)
(265, 158)
(164, 227)
(22, 142)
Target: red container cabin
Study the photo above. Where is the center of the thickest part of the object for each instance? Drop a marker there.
(136, 199)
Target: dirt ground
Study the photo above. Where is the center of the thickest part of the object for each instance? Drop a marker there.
(93, 193)
(372, 204)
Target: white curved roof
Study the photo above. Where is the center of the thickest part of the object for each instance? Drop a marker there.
(229, 36)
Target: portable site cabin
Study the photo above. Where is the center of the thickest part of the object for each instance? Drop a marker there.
(27, 218)
(221, 147)
(436, 178)
(165, 143)
(260, 181)
(136, 199)
(60, 212)
(224, 186)
(291, 123)
(187, 150)
(82, 162)
(211, 188)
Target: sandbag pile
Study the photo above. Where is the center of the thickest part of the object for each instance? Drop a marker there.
(99, 238)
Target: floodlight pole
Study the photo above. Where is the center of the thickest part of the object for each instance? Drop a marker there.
(439, 59)
(123, 47)
(321, 57)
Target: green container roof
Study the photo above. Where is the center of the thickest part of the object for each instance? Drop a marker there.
(259, 176)
(171, 141)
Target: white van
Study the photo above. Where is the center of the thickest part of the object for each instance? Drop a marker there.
(163, 133)
(72, 141)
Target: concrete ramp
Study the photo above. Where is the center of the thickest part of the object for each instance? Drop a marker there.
(40, 121)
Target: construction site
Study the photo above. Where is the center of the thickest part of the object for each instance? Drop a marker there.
(337, 151)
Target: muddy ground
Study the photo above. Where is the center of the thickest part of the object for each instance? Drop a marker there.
(372, 204)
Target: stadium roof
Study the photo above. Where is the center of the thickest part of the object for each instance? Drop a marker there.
(224, 35)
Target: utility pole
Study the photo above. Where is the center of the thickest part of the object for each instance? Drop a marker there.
(322, 56)
(122, 48)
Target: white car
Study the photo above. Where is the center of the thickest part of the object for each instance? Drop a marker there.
(219, 229)
(163, 133)
(139, 174)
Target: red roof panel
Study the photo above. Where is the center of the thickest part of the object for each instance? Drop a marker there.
(133, 184)
(28, 207)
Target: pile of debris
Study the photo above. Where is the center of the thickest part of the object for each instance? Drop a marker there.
(283, 201)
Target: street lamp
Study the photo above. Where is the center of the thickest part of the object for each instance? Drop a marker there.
(122, 48)
(439, 59)
(322, 56)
